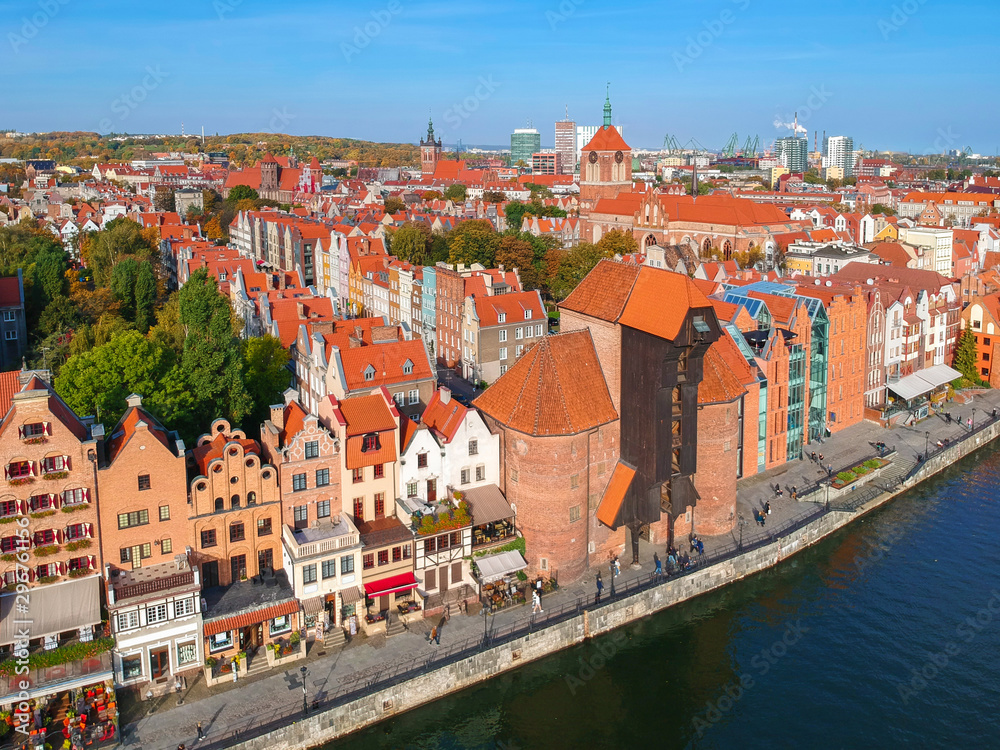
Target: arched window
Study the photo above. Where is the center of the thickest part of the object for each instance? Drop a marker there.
(234, 501)
(251, 498)
(219, 504)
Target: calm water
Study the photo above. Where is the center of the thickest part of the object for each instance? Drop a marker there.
(825, 645)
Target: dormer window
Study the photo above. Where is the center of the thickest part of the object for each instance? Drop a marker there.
(408, 367)
(370, 443)
(369, 373)
(527, 314)
(502, 318)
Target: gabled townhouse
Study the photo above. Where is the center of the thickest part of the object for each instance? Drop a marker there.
(368, 427)
(983, 317)
(236, 513)
(143, 504)
(50, 540)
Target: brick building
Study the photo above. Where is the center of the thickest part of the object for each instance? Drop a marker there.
(143, 503)
(983, 317)
(633, 347)
(235, 508)
(49, 459)
(605, 165)
(307, 458)
(496, 329)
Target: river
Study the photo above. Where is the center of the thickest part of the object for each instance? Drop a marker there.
(887, 634)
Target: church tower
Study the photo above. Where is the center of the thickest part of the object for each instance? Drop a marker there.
(605, 164)
(268, 174)
(430, 151)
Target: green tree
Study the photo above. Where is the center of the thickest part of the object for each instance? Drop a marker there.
(212, 359)
(515, 211)
(515, 252)
(409, 243)
(494, 196)
(618, 242)
(880, 208)
(967, 357)
(97, 381)
(455, 192)
(59, 316)
(573, 266)
(267, 375)
(242, 192)
(122, 284)
(474, 241)
(145, 296)
(119, 239)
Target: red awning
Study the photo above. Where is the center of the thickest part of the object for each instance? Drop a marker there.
(402, 582)
(251, 618)
(611, 504)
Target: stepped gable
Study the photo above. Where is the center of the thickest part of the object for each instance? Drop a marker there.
(556, 388)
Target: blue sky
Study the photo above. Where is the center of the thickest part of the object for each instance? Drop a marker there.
(903, 74)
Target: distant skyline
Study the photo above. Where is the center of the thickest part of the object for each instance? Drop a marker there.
(900, 75)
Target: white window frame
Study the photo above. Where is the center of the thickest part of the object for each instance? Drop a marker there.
(414, 396)
(159, 609)
(503, 335)
(519, 333)
(503, 352)
(128, 620)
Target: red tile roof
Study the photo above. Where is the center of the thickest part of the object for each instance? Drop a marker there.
(366, 414)
(614, 494)
(514, 306)
(10, 292)
(126, 428)
(205, 453)
(556, 388)
(725, 371)
(9, 385)
(388, 360)
(443, 418)
(357, 458)
(251, 618)
(607, 138)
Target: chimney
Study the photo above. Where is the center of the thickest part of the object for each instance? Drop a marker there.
(97, 433)
(300, 309)
(445, 395)
(278, 416)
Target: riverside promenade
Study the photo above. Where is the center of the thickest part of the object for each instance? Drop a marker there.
(358, 670)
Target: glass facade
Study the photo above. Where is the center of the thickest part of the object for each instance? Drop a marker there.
(796, 399)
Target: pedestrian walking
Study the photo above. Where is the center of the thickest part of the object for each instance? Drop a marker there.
(201, 732)
(969, 423)
(618, 567)
(538, 586)
(434, 635)
(658, 573)
(767, 507)
(600, 587)
(536, 603)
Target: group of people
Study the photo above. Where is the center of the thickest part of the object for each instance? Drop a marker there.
(881, 447)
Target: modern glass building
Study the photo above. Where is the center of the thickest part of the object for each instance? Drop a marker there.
(523, 143)
(793, 153)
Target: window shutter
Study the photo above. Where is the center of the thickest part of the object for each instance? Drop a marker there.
(6, 472)
(89, 530)
(48, 428)
(56, 500)
(91, 562)
(20, 432)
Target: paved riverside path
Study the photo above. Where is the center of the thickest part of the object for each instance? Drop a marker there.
(235, 707)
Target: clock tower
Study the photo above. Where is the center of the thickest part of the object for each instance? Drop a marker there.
(605, 164)
(430, 151)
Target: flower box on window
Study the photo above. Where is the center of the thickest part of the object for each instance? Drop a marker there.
(38, 440)
(55, 475)
(47, 551)
(19, 481)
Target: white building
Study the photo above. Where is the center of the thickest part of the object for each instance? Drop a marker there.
(451, 447)
(937, 243)
(155, 614)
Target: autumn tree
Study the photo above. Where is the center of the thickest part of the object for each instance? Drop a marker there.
(574, 265)
(393, 205)
(474, 241)
(455, 192)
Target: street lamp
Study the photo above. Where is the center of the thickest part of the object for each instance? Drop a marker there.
(742, 523)
(927, 442)
(305, 704)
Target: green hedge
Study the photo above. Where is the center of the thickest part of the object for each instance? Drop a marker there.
(517, 544)
(847, 476)
(61, 655)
